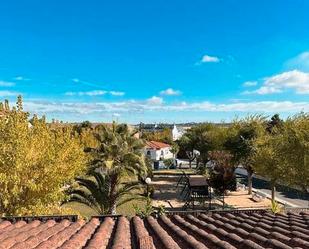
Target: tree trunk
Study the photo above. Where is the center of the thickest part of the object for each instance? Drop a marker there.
(273, 191)
(112, 197)
(250, 173)
(113, 210)
(197, 162)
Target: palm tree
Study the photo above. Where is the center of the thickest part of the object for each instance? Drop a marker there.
(119, 155)
(95, 192)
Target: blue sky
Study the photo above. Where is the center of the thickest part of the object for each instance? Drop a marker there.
(155, 61)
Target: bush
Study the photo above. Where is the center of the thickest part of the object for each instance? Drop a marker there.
(169, 163)
(220, 184)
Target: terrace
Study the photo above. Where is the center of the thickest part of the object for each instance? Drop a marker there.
(170, 193)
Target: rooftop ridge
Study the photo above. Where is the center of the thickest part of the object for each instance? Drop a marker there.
(43, 218)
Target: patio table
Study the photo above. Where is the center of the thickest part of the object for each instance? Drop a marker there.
(198, 190)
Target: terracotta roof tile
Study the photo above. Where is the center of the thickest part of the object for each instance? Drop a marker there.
(156, 145)
(218, 230)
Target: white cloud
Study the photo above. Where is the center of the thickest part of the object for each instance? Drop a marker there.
(88, 93)
(6, 83)
(207, 58)
(292, 80)
(155, 100)
(21, 78)
(116, 93)
(300, 62)
(132, 106)
(83, 82)
(249, 83)
(263, 90)
(170, 92)
(95, 93)
(6, 93)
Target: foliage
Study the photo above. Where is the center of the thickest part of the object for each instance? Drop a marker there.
(149, 165)
(275, 122)
(95, 192)
(241, 136)
(294, 135)
(164, 136)
(169, 162)
(222, 176)
(174, 149)
(219, 184)
(204, 138)
(118, 155)
(240, 142)
(275, 207)
(36, 163)
(202, 170)
(148, 209)
(160, 210)
(268, 159)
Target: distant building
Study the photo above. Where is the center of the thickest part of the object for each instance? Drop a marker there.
(158, 151)
(177, 133)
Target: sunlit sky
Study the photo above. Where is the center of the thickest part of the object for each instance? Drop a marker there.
(155, 61)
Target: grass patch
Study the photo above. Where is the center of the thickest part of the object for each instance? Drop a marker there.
(174, 171)
(81, 209)
(126, 209)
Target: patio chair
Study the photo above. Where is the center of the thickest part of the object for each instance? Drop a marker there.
(182, 179)
(198, 194)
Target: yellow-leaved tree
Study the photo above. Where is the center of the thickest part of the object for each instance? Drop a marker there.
(36, 163)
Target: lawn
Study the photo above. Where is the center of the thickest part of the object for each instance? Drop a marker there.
(126, 209)
(174, 171)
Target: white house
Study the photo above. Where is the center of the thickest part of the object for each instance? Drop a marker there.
(158, 151)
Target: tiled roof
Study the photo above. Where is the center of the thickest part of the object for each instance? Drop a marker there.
(156, 145)
(218, 230)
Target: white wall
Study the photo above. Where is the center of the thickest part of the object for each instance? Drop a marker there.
(157, 155)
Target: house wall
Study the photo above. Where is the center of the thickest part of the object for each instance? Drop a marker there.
(160, 154)
(150, 153)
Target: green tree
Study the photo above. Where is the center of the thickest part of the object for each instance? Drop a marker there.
(222, 177)
(164, 136)
(295, 150)
(268, 160)
(119, 155)
(203, 138)
(36, 163)
(174, 150)
(275, 122)
(240, 142)
(84, 126)
(95, 192)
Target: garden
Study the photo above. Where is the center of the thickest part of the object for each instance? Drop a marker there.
(57, 168)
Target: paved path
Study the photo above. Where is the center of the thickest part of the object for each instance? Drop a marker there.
(290, 195)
